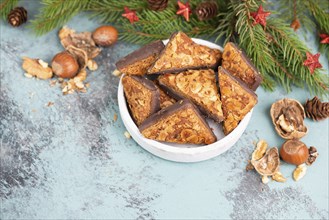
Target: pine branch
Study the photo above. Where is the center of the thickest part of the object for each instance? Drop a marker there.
(109, 11)
(292, 52)
(296, 9)
(276, 51)
(155, 25)
(321, 16)
(55, 13)
(6, 6)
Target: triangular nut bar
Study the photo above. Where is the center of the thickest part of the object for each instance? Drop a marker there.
(142, 96)
(179, 123)
(237, 99)
(181, 53)
(137, 62)
(239, 65)
(197, 85)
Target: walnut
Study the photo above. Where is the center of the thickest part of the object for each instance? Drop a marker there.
(92, 65)
(266, 163)
(83, 40)
(36, 67)
(279, 177)
(117, 73)
(265, 179)
(80, 55)
(288, 118)
(313, 154)
(299, 172)
(260, 150)
(269, 164)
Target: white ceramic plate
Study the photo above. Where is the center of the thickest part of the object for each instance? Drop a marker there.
(183, 152)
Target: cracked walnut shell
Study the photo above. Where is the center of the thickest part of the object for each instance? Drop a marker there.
(83, 40)
(269, 164)
(288, 118)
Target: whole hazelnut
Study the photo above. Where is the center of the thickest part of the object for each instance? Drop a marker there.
(105, 36)
(294, 152)
(65, 65)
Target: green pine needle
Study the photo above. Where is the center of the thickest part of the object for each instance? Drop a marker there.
(6, 6)
(56, 13)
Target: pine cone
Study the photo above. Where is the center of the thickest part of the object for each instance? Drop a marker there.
(157, 5)
(316, 110)
(206, 10)
(17, 16)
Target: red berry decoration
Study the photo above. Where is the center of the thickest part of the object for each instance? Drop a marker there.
(312, 61)
(260, 16)
(324, 38)
(184, 9)
(130, 15)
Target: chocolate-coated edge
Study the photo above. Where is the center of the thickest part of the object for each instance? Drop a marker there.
(178, 95)
(140, 54)
(258, 77)
(166, 112)
(237, 80)
(155, 100)
(177, 70)
(181, 69)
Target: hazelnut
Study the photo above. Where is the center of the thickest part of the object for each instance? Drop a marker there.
(65, 65)
(105, 36)
(294, 152)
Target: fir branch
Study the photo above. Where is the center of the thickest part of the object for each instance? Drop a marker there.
(277, 52)
(55, 13)
(6, 6)
(296, 9)
(324, 49)
(321, 16)
(292, 51)
(155, 25)
(109, 11)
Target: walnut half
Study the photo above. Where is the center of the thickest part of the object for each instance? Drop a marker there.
(37, 67)
(269, 164)
(288, 118)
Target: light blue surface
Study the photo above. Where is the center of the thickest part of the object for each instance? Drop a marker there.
(71, 160)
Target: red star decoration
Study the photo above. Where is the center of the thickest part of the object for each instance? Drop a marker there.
(312, 61)
(260, 16)
(184, 9)
(130, 15)
(324, 38)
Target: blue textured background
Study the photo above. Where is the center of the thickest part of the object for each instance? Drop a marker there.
(71, 160)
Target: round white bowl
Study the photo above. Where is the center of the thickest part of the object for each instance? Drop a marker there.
(183, 152)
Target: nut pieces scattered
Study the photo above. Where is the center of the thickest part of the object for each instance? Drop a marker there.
(288, 118)
(80, 50)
